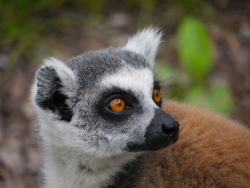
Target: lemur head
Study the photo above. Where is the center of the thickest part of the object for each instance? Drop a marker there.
(104, 103)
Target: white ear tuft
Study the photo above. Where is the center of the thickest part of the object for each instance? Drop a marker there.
(65, 74)
(62, 70)
(54, 89)
(146, 43)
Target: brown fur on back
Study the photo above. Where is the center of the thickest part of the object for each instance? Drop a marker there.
(211, 152)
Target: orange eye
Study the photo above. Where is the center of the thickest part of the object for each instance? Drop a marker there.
(157, 95)
(117, 105)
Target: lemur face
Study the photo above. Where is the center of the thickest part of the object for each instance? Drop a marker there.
(105, 102)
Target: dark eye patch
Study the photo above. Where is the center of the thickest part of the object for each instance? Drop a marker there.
(132, 104)
(157, 84)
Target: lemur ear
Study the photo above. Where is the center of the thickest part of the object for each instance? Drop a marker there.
(55, 88)
(146, 43)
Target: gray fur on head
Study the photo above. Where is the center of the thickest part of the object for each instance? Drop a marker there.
(74, 129)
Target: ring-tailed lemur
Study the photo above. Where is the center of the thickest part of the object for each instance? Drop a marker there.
(98, 112)
(99, 120)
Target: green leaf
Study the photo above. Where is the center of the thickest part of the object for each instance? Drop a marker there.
(217, 98)
(195, 49)
(221, 96)
(198, 95)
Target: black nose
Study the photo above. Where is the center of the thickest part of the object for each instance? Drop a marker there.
(170, 129)
(160, 133)
(162, 125)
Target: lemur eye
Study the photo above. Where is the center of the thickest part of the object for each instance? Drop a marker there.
(117, 105)
(157, 95)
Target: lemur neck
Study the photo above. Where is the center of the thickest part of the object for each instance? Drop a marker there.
(130, 170)
(73, 169)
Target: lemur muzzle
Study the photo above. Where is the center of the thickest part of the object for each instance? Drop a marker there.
(161, 132)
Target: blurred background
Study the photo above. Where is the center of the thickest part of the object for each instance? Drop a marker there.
(204, 59)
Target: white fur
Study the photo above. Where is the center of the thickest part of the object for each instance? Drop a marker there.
(67, 147)
(129, 78)
(62, 169)
(64, 152)
(146, 43)
(66, 75)
(63, 147)
(68, 80)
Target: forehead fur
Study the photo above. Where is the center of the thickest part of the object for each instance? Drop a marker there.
(140, 81)
(90, 67)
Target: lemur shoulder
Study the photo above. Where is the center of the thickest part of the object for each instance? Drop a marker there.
(102, 124)
(211, 151)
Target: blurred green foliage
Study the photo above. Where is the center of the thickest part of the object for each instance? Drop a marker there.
(192, 85)
(195, 49)
(24, 24)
